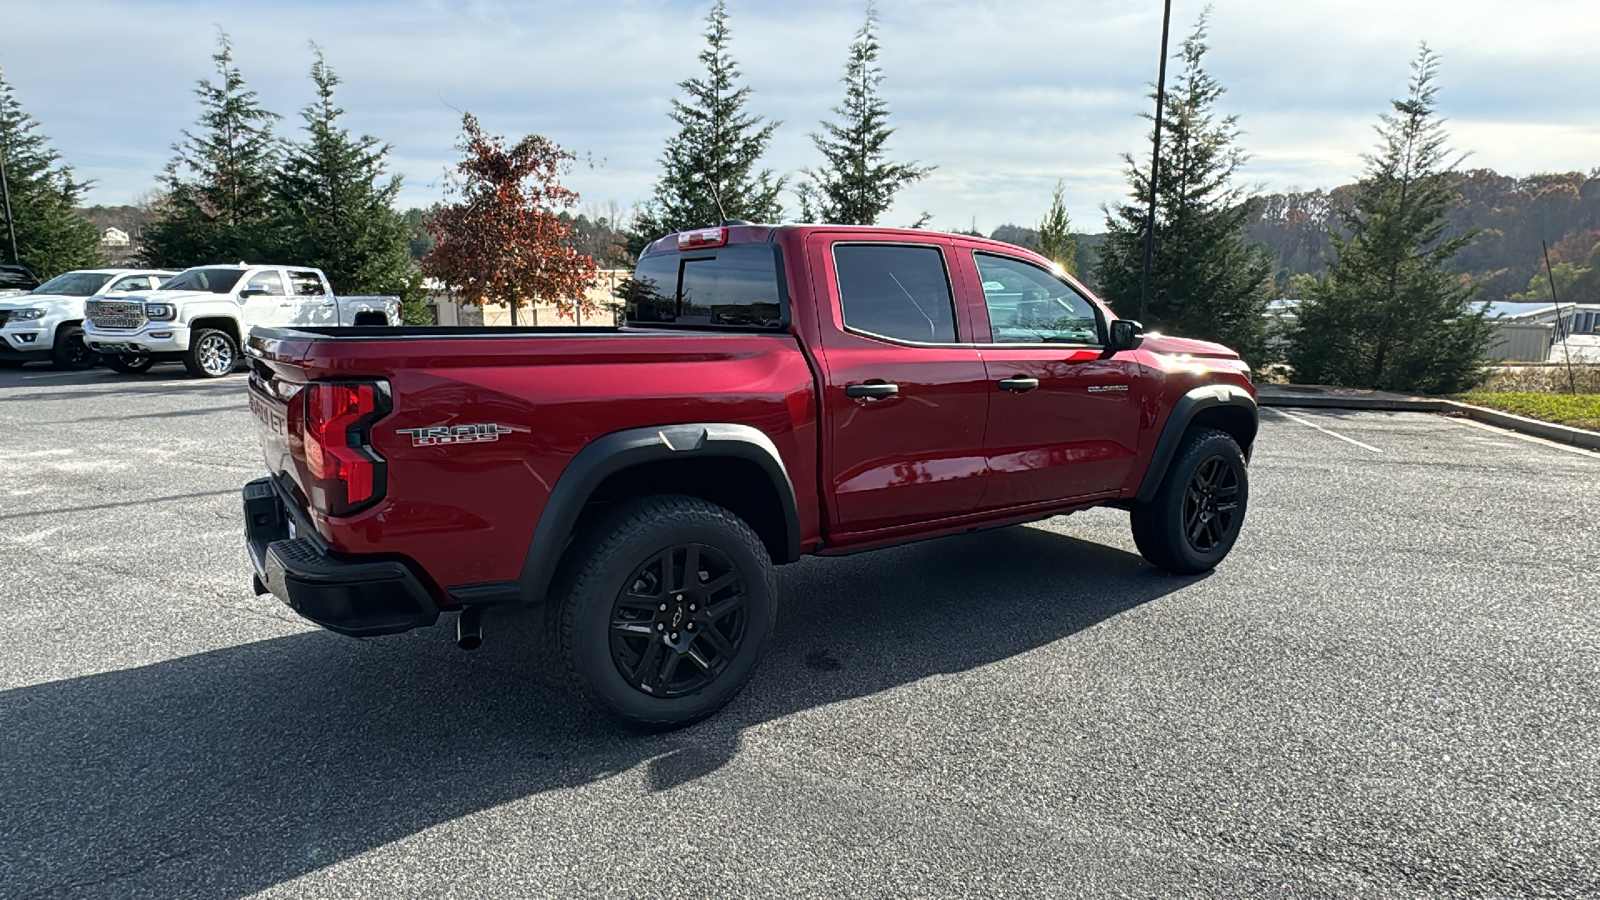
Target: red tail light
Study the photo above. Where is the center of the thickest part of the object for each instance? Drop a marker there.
(346, 474)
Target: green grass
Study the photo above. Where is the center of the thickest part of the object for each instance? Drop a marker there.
(1577, 410)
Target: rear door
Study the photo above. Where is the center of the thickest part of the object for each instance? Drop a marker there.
(1063, 416)
(314, 303)
(904, 401)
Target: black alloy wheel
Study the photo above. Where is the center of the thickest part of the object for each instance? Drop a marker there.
(1191, 523)
(679, 621)
(70, 352)
(129, 364)
(1210, 504)
(660, 609)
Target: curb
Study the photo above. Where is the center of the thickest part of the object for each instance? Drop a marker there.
(1561, 434)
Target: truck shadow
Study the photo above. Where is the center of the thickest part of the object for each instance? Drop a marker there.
(228, 772)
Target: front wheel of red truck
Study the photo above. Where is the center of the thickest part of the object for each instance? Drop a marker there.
(1191, 523)
(664, 605)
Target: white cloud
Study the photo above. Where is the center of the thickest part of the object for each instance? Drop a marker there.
(1004, 97)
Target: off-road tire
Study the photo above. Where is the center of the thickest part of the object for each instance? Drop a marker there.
(199, 359)
(601, 572)
(69, 350)
(1163, 529)
(128, 364)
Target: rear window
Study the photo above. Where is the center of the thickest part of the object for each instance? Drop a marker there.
(732, 287)
(896, 292)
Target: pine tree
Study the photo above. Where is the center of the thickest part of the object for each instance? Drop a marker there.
(1387, 314)
(856, 185)
(709, 164)
(1056, 240)
(1205, 280)
(51, 237)
(218, 185)
(332, 208)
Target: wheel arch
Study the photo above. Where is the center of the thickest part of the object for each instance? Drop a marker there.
(221, 323)
(1225, 407)
(734, 466)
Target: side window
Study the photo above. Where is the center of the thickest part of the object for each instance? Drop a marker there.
(306, 284)
(895, 292)
(268, 280)
(1028, 305)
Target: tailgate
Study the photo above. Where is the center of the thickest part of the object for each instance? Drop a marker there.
(276, 380)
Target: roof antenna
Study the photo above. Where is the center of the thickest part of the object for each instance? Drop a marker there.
(700, 176)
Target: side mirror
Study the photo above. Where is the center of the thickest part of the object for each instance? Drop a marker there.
(1126, 334)
(252, 292)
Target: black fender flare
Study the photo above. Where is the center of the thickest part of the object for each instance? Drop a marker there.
(1209, 396)
(621, 450)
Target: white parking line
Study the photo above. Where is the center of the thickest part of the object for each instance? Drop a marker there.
(1523, 437)
(1310, 424)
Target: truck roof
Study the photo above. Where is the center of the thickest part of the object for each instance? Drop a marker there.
(744, 232)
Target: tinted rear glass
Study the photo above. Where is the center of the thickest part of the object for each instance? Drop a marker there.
(736, 286)
(895, 292)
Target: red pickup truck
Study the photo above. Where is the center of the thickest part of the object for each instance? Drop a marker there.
(777, 391)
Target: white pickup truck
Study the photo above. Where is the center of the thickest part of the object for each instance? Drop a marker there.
(203, 315)
(46, 323)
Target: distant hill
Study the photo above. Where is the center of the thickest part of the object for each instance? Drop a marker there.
(1511, 215)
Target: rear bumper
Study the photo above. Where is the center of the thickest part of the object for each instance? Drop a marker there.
(353, 595)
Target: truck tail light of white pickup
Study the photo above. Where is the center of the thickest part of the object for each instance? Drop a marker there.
(347, 475)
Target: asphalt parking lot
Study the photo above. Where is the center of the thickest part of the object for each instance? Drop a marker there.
(1392, 688)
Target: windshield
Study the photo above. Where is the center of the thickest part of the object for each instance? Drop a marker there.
(217, 281)
(74, 284)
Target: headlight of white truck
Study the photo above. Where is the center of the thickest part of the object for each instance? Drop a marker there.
(26, 314)
(160, 312)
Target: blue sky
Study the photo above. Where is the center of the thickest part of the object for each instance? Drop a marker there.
(1004, 97)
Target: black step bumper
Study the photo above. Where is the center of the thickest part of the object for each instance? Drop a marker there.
(348, 594)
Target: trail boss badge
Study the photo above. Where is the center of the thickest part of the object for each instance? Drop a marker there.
(455, 434)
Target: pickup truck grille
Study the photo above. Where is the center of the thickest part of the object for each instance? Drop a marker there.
(115, 314)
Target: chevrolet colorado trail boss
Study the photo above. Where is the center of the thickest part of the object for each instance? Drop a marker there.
(776, 391)
(202, 316)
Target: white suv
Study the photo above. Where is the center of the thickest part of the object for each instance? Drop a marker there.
(203, 315)
(46, 323)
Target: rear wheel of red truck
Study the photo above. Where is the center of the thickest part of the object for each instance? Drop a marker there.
(664, 606)
(1191, 523)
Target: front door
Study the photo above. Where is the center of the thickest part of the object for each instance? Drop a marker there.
(1063, 419)
(905, 402)
(264, 301)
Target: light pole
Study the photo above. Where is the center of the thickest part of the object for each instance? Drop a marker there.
(5, 196)
(1155, 167)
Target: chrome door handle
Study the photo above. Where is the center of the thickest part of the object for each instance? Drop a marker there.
(1020, 384)
(872, 391)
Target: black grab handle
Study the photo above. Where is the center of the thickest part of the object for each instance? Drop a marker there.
(872, 391)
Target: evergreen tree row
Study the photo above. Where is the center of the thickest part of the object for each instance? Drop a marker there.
(234, 191)
(711, 166)
(49, 235)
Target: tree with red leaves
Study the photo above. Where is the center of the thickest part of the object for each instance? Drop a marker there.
(502, 241)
